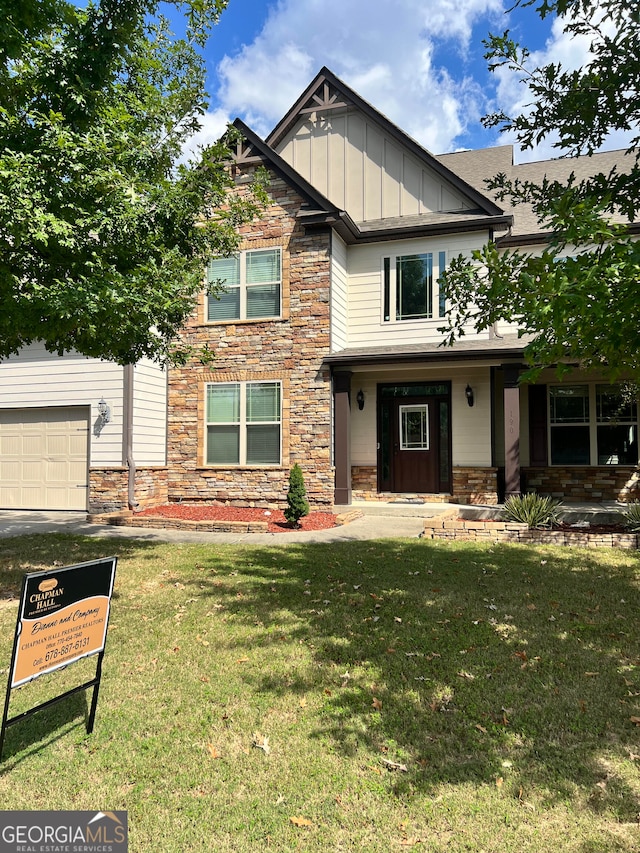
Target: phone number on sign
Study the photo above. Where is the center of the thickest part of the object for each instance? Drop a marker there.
(63, 651)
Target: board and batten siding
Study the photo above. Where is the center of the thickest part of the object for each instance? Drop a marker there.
(339, 316)
(149, 414)
(362, 169)
(365, 291)
(36, 378)
(471, 426)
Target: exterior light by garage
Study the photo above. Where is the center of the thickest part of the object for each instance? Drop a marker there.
(104, 411)
(468, 393)
(360, 399)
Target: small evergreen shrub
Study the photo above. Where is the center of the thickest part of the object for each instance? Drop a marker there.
(532, 510)
(297, 504)
(632, 516)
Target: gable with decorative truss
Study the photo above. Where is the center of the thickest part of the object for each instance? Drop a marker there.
(363, 163)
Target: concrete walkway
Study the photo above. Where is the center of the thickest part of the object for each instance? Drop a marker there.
(393, 524)
(397, 520)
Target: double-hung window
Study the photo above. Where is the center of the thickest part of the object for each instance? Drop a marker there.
(592, 424)
(251, 282)
(243, 421)
(410, 287)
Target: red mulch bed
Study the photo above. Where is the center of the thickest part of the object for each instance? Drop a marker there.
(274, 517)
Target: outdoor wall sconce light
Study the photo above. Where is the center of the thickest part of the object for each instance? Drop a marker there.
(360, 399)
(468, 393)
(104, 411)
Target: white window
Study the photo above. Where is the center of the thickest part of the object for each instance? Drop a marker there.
(410, 287)
(243, 423)
(592, 424)
(251, 282)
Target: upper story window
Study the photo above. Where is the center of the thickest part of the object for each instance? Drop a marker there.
(592, 424)
(411, 289)
(252, 283)
(243, 423)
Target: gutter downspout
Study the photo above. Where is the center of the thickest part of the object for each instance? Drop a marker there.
(127, 436)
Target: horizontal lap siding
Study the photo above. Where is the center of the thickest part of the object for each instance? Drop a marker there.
(149, 414)
(36, 378)
(365, 289)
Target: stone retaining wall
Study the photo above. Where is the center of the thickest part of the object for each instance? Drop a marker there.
(450, 526)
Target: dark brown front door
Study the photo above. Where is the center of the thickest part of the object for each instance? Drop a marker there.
(415, 439)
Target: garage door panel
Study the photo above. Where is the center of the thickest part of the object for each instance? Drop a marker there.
(9, 472)
(10, 445)
(44, 458)
(33, 445)
(57, 445)
(31, 472)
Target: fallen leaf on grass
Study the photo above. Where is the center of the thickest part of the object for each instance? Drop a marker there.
(303, 703)
(261, 742)
(213, 752)
(376, 704)
(464, 674)
(635, 720)
(242, 660)
(481, 728)
(499, 782)
(301, 821)
(393, 765)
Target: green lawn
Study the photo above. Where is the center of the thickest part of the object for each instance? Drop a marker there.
(364, 696)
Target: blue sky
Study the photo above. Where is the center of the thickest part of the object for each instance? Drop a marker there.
(420, 62)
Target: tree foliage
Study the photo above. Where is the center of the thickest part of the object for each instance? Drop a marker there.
(103, 233)
(578, 299)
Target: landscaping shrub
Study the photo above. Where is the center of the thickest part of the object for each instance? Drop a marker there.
(632, 516)
(532, 510)
(297, 504)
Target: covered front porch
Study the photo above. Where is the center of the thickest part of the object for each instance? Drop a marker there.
(466, 430)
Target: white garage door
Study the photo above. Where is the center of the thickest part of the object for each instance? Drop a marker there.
(44, 458)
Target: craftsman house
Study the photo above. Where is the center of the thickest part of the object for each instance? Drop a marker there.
(327, 341)
(328, 349)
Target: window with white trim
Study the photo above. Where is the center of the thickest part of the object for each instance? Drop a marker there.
(252, 285)
(243, 421)
(592, 424)
(410, 287)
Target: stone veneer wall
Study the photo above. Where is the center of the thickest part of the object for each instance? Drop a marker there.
(604, 483)
(109, 487)
(470, 486)
(475, 485)
(290, 350)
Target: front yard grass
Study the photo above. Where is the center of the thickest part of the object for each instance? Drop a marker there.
(361, 696)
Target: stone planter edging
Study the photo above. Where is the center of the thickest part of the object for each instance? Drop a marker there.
(449, 526)
(127, 518)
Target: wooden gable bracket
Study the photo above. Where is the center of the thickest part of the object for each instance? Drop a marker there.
(245, 153)
(323, 99)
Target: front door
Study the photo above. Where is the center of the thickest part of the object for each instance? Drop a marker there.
(414, 432)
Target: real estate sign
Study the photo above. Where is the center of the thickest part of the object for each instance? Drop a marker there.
(63, 617)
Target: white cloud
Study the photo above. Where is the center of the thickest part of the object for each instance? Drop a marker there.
(384, 51)
(213, 125)
(514, 97)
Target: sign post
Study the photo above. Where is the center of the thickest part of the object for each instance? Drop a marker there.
(62, 618)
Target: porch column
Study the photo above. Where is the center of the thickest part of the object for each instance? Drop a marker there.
(511, 430)
(342, 437)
